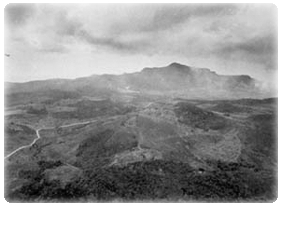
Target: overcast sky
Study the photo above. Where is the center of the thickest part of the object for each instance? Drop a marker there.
(69, 41)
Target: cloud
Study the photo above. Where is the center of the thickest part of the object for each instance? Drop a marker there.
(127, 29)
(222, 31)
(19, 14)
(171, 15)
(260, 49)
(68, 29)
(129, 46)
(160, 17)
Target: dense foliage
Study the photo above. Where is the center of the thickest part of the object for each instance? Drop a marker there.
(152, 180)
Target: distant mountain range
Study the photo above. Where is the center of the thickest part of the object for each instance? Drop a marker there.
(174, 80)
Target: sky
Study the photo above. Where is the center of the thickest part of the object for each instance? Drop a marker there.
(45, 41)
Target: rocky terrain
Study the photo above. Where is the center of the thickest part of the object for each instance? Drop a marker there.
(140, 137)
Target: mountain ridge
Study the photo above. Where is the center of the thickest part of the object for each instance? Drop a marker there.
(174, 79)
(173, 65)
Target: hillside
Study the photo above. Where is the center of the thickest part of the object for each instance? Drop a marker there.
(135, 147)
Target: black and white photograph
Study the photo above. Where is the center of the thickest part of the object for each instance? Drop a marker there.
(141, 103)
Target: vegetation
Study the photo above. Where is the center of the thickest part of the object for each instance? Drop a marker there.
(17, 135)
(92, 109)
(226, 107)
(153, 180)
(169, 161)
(191, 115)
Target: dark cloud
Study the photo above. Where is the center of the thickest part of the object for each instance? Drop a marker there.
(66, 25)
(256, 45)
(17, 14)
(261, 49)
(166, 16)
(113, 44)
(70, 27)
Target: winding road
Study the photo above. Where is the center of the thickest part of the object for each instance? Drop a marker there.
(38, 135)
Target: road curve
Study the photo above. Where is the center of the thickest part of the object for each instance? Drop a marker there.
(38, 135)
(22, 147)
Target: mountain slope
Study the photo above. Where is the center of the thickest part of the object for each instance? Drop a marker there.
(172, 80)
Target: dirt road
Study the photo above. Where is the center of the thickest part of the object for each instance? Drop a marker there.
(38, 135)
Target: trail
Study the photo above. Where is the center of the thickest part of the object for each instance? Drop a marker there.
(26, 146)
(47, 128)
(149, 104)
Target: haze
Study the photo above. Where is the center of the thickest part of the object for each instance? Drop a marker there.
(69, 41)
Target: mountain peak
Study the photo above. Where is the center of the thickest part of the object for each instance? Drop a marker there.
(177, 65)
(174, 66)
